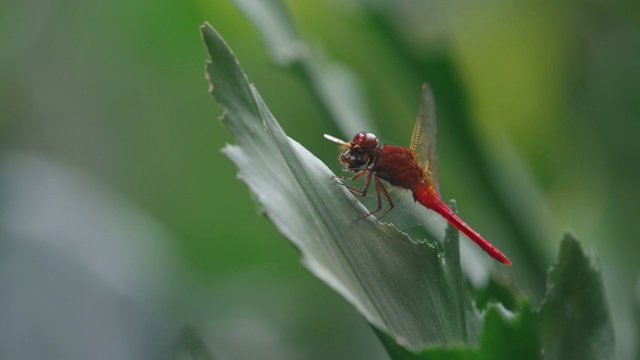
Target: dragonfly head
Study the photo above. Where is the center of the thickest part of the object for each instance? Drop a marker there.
(360, 151)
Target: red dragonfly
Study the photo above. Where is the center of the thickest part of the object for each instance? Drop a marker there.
(413, 168)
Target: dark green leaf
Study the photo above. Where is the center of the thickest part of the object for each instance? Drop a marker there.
(504, 337)
(498, 291)
(513, 338)
(574, 321)
(189, 346)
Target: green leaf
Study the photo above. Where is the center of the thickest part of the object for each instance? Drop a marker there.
(504, 337)
(574, 319)
(189, 346)
(498, 290)
(514, 338)
(572, 323)
(406, 289)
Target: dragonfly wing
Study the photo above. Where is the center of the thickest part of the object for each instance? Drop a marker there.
(423, 139)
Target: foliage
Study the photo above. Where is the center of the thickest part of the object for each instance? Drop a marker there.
(412, 293)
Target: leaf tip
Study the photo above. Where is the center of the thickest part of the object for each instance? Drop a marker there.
(206, 30)
(572, 250)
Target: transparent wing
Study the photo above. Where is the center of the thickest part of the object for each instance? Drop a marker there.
(423, 139)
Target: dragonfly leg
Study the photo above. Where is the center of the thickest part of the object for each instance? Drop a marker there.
(380, 191)
(378, 197)
(353, 178)
(380, 188)
(355, 190)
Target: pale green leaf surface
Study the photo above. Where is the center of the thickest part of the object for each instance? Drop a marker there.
(405, 288)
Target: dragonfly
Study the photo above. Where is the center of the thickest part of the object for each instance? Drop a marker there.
(414, 169)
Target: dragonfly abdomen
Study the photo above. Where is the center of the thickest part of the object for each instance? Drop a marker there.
(428, 197)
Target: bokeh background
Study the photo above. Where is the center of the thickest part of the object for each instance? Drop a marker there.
(121, 221)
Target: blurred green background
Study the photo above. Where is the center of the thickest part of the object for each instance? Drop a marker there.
(121, 221)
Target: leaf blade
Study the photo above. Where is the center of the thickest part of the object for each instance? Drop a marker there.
(398, 285)
(574, 320)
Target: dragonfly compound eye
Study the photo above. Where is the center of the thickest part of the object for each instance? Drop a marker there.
(366, 141)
